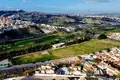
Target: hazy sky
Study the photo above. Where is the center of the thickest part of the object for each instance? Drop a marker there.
(63, 6)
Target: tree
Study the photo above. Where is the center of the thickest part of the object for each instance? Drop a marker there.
(118, 75)
(97, 60)
(102, 36)
(1, 76)
(79, 57)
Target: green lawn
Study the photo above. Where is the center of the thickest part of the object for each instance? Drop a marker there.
(33, 57)
(74, 50)
(108, 30)
(16, 46)
(84, 48)
(116, 30)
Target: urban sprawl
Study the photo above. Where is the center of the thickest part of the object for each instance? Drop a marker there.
(36, 46)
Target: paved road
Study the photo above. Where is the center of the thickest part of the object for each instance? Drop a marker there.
(30, 65)
(57, 61)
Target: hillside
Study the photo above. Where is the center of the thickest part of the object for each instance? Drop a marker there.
(20, 33)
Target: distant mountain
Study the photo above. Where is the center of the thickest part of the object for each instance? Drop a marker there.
(9, 13)
(36, 17)
(109, 14)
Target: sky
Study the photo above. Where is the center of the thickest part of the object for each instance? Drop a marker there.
(63, 6)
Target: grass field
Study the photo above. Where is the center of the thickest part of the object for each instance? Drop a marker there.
(85, 48)
(116, 30)
(108, 30)
(91, 21)
(33, 57)
(74, 50)
(57, 23)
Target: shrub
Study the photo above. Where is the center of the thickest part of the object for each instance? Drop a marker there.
(102, 36)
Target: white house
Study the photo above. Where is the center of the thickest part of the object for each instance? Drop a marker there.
(58, 45)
